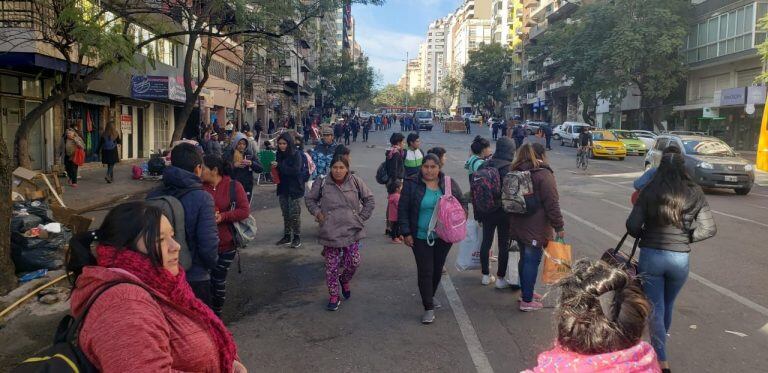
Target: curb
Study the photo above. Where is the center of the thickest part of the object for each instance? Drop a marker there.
(111, 201)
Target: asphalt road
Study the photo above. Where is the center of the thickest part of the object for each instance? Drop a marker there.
(276, 305)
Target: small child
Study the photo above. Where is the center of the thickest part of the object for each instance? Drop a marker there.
(393, 201)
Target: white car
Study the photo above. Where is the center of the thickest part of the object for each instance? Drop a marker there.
(647, 137)
(569, 133)
(475, 118)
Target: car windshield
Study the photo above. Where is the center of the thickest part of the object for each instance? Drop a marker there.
(626, 135)
(708, 147)
(423, 114)
(606, 136)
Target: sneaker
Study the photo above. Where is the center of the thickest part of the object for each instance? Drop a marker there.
(436, 303)
(345, 291)
(536, 297)
(333, 304)
(501, 283)
(530, 306)
(74, 185)
(284, 241)
(428, 317)
(296, 242)
(487, 279)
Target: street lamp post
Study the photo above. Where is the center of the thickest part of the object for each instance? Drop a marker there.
(407, 83)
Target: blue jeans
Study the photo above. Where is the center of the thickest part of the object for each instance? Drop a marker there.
(663, 273)
(528, 266)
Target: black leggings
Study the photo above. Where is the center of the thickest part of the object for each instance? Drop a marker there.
(71, 169)
(497, 221)
(429, 265)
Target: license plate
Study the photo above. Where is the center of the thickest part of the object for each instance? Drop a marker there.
(732, 179)
(610, 152)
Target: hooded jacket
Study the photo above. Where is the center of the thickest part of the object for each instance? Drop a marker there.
(538, 225)
(223, 202)
(322, 156)
(346, 208)
(199, 219)
(638, 359)
(243, 174)
(698, 224)
(289, 166)
(410, 202)
(129, 327)
(394, 163)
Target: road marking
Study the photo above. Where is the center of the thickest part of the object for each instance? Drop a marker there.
(619, 205)
(467, 330)
(724, 291)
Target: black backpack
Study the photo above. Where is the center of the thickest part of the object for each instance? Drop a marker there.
(65, 355)
(382, 176)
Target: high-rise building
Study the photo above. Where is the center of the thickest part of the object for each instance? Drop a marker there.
(435, 57)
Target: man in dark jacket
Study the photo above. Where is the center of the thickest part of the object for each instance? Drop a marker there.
(182, 180)
(497, 220)
(547, 130)
(519, 134)
(322, 155)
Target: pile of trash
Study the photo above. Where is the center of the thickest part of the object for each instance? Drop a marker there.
(41, 224)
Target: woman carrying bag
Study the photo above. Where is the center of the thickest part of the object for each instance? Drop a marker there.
(341, 203)
(418, 201)
(671, 213)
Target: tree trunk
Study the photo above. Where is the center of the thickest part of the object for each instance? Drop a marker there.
(7, 270)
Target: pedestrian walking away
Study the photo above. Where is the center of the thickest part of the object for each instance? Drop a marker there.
(670, 214)
(341, 203)
(547, 128)
(182, 181)
(367, 128)
(108, 143)
(290, 190)
(142, 315)
(418, 201)
(231, 205)
(497, 221)
(600, 324)
(413, 155)
(535, 229)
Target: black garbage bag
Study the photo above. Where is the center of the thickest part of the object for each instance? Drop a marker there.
(33, 253)
(38, 208)
(23, 223)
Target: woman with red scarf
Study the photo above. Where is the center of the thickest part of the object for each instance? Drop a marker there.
(143, 317)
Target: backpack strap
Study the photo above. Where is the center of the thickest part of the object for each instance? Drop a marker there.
(447, 181)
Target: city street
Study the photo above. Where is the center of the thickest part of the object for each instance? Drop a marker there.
(276, 307)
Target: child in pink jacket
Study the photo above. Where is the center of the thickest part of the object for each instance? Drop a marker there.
(600, 323)
(393, 201)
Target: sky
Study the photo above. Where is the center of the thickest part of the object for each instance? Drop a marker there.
(387, 32)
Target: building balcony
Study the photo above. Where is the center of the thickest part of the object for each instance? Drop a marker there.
(564, 9)
(537, 30)
(560, 85)
(531, 3)
(549, 62)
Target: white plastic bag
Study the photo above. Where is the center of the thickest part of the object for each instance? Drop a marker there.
(513, 274)
(469, 248)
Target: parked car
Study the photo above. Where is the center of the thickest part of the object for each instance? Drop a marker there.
(708, 160)
(647, 137)
(532, 126)
(425, 119)
(607, 145)
(569, 133)
(556, 132)
(476, 118)
(634, 145)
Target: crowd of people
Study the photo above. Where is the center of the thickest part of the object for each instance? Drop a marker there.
(161, 272)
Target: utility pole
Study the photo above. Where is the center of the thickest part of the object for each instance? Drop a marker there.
(407, 82)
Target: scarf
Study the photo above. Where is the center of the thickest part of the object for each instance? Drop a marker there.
(178, 291)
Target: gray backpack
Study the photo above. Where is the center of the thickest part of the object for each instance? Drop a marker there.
(517, 195)
(174, 211)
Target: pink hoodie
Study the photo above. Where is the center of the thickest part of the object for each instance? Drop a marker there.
(638, 359)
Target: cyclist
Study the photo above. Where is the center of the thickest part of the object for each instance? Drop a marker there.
(585, 141)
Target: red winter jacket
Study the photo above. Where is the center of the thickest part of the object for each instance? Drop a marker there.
(222, 202)
(129, 330)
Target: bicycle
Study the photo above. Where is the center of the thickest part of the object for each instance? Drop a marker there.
(582, 158)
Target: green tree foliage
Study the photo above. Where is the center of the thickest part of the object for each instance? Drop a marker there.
(349, 81)
(484, 75)
(389, 95)
(448, 92)
(610, 46)
(421, 98)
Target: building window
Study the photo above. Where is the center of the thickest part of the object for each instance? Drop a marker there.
(16, 14)
(31, 88)
(10, 84)
(725, 34)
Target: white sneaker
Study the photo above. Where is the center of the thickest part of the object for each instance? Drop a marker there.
(486, 279)
(501, 283)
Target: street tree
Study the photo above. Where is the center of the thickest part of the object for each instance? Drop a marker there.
(421, 98)
(449, 89)
(389, 95)
(349, 81)
(484, 75)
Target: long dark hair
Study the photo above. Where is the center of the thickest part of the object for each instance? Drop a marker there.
(601, 310)
(666, 195)
(122, 229)
(212, 161)
(530, 153)
(288, 150)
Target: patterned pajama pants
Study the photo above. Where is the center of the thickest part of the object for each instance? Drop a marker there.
(340, 265)
(291, 215)
(219, 281)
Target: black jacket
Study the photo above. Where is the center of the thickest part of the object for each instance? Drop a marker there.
(289, 167)
(394, 164)
(698, 224)
(410, 202)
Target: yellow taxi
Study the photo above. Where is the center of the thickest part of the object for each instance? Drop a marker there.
(607, 145)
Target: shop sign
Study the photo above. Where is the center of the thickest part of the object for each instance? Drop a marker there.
(157, 88)
(709, 112)
(756, 95)
(733, 97)
(126, 123)
(89, 98)
(176, 90)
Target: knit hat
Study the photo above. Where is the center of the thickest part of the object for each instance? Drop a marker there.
(326, 130)
(505, 149)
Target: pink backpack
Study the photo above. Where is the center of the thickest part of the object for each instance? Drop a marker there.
(449, 220)
(136, 172)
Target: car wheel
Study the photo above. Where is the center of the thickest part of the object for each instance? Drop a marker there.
(743, 191)
(556, 137)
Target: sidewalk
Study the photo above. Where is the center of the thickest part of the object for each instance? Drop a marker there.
(93, 191)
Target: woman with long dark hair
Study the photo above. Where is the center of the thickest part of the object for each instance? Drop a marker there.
(670, 214)
(144, 316)
(291, 188)
(110, 139)
(417, 204)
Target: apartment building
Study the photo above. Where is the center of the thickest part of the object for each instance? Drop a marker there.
(435, 67)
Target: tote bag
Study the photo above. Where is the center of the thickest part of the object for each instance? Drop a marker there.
(557, 262)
